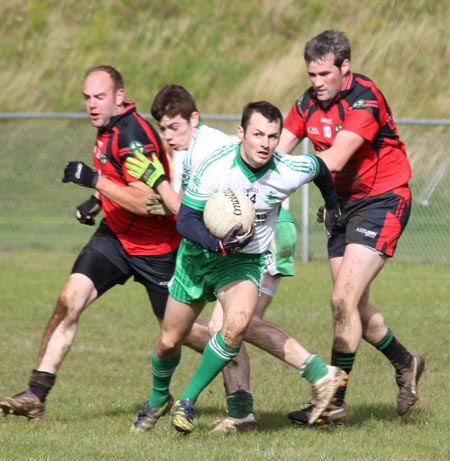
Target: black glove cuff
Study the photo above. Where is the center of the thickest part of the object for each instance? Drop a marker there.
(95, 200)
(94, 181)
(159, 181)
(331, 203)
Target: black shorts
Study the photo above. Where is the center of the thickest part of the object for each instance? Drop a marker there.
(107, 264)
(375, 222)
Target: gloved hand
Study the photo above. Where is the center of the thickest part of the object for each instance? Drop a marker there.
(320, 213)
(79, 173)
(156, 206)
(148, 170)
(232, 242)
(86, 211)
(329, 217)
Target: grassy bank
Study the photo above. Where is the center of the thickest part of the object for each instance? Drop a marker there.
(226, 53)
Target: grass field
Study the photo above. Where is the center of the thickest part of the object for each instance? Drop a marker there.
(106, 377)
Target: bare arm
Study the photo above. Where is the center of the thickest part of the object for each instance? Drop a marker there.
(171, 199)
(132, 197)
(150, 172)
(288, 142)
(344, 146)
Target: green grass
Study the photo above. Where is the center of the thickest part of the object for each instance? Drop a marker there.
(106, 376)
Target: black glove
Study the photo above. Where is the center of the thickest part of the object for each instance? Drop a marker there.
(233, 242)
(329, 217)
(86, 211)
(80, 173)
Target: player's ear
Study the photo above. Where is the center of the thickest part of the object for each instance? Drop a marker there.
(240, 133)
(345, 67)
(120, 96)
(194, 120)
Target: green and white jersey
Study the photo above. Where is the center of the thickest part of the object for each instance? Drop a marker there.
(205, 141)
(266, 188)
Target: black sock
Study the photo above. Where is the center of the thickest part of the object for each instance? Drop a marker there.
(41, 383)
(394, 351)
(345, 362)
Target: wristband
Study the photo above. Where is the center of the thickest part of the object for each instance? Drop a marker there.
(222, 249)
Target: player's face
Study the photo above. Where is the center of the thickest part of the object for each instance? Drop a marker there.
(100, 99)
(259, 140)
(327, 78)
(178, 131)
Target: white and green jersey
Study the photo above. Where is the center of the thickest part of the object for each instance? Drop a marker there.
(266, 188)
(205, 141)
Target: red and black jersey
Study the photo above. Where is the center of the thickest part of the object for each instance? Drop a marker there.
(127, 132)
(380, 164)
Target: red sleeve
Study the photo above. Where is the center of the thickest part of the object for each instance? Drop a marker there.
(362, 122)
(142, 132)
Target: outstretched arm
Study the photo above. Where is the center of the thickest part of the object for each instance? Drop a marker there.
(150, 171)
(345, 144)
(132, 197)
(331, 212)
(324, 182)
(288, 142)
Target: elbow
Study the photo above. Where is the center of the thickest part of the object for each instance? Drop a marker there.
(335, 166)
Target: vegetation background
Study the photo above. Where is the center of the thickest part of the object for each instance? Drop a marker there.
(226, 53)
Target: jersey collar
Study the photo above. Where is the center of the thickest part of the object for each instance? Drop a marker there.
(250, 174)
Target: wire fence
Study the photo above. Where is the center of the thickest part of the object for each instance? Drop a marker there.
(37, 209)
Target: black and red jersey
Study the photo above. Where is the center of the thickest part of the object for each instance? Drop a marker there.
(127, 132)
(380, 164)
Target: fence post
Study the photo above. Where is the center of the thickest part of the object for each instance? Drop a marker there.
(305, 210)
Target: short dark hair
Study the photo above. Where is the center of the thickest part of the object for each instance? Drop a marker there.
(328, 42)
(268, 110)
(115, 75)
(173, 100)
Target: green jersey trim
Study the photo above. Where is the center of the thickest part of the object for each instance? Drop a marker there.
(253, 176)
(302, 166)
(316, 162)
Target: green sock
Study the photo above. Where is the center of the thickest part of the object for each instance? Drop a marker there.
(215, 356)
(313, 369)
(162, 372)
(240, 404)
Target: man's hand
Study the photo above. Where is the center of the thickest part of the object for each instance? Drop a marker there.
(148, 170)
(320, 214)
(156, 206)
(86, 211)
(329, 217)
(79, 173)
(232, 242)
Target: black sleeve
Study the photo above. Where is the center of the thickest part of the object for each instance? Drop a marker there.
(190, 226)
(324, 182)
